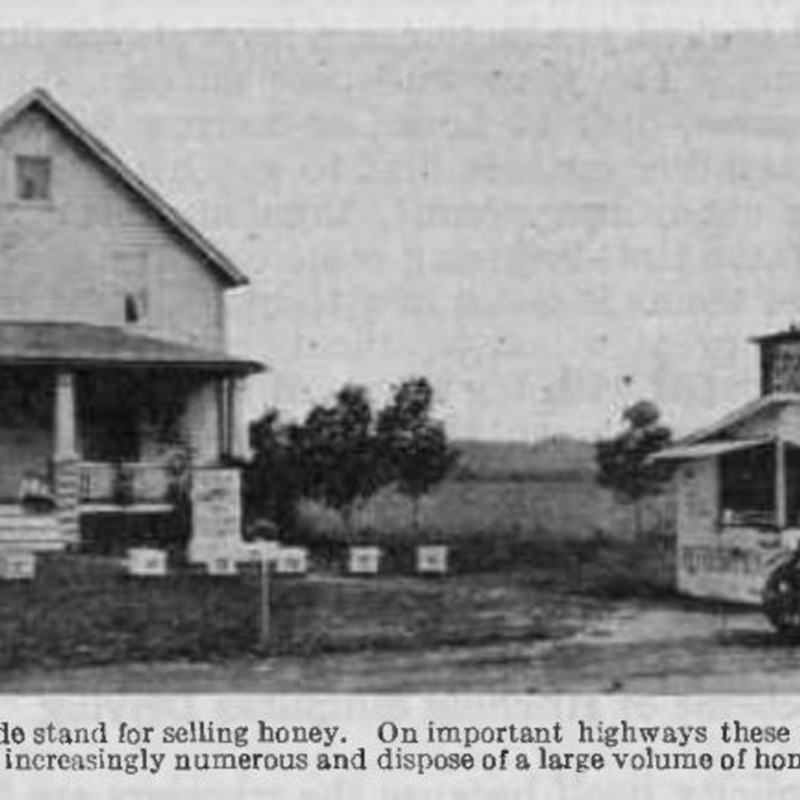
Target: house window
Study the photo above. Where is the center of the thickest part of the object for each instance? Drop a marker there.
(747, 487)
(33, 178)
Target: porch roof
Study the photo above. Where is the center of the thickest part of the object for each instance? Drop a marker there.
(692, 452)
(746, 412)
(76, 344)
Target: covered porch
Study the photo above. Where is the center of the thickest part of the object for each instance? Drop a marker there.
(96, 421)
(757, 481)
(738, 514)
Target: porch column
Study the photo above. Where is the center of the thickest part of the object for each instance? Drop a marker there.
(66, 467)
(237, 433)
(65, 440)
(780, 484)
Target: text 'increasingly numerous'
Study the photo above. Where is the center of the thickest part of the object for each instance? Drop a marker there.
(435, 747)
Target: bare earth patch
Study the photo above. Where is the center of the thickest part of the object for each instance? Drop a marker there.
(619, 646)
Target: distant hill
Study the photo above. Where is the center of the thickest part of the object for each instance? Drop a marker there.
(553, 458)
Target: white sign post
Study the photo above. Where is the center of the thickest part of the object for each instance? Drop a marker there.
(263, 552)
(263, 637)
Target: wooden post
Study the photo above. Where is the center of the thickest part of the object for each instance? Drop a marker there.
(64, 417)
(223, 423)
(264, 615)
(237, 427)
(66, 469)
(780, 484)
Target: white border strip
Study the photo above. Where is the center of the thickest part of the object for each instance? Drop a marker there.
(600, 15)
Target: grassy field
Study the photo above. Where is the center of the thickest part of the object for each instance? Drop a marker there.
(575, 509)
(539, 490)
(85, 610)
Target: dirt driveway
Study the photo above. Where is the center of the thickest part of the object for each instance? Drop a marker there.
(625, 646)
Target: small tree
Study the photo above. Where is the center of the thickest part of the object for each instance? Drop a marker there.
(416, 454)
(339, 454)
(624, 461)
(342, 454)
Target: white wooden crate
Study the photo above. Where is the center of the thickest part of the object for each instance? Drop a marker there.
(364, 560)
(147, 561)
(222, 565)
(256, 552)
(432, 559)
(17, 566)
(292, 561)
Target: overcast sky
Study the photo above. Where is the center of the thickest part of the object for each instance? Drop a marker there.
(547, 225)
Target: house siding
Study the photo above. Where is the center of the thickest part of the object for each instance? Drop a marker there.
(75, 258)
(697, 499)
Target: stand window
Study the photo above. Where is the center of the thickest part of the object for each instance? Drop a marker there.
(747, 487)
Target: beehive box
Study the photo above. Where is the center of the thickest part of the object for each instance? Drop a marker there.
(147, 561)
(256, 552)
(364, 560)
(17, 566)
(292, 561)
(432, 559)
(222, 565)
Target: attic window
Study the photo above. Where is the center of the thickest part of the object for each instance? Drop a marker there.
(33, 178)
(135, 307)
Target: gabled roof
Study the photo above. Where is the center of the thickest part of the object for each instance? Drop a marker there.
(739, 415)
(41, 99)
(76, 344)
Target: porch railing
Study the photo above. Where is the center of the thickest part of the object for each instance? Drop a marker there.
(127, 483)
(749, 519)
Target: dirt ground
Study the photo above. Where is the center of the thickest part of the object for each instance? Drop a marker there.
(646, 647)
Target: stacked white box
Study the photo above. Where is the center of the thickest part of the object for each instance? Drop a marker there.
(432, 559)
(222, 566)
(257, 552)
(292, 561)
(17, 565)
(364, 560)
(146, 561)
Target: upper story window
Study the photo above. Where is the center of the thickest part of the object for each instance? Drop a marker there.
(34, 175)
(135, 307)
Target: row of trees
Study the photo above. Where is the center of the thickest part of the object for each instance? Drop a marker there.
(343, 453)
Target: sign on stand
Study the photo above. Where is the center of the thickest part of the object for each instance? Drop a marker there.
(217, 534)
(735, 566)
(216, 515)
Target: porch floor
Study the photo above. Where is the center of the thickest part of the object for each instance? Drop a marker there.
(130, 508)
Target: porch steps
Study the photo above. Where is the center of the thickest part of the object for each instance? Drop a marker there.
(30, 532)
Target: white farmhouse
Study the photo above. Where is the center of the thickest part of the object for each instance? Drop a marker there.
(112, 335)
